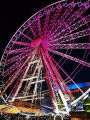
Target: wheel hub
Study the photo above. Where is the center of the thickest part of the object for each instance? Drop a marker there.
(36, 42)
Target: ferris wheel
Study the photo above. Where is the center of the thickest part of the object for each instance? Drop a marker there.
(46, 54)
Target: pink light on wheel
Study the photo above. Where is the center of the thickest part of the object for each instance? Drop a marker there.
(46, 54)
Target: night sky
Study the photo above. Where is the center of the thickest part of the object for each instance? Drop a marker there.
(14, 14)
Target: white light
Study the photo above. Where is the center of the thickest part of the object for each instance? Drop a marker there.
(27, 116)
(56, 110)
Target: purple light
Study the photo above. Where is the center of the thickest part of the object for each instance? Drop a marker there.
(65, 5)
(79, 4)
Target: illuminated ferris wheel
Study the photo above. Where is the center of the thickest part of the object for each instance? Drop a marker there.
(46, 54)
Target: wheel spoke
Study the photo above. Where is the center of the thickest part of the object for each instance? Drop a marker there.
(32, 30)
(80, 23)
(18, 50)
(78, 13)
(69, 20)
(20, 43)
(25, 36)
(45, 27)
(71, 46)
(73, 27)
(60, 21)
(68, 77)
(73, 36)
(55, 17)
(39, 26)
(17, 57)
(53, 21)
(70, 58)
(12, 68)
